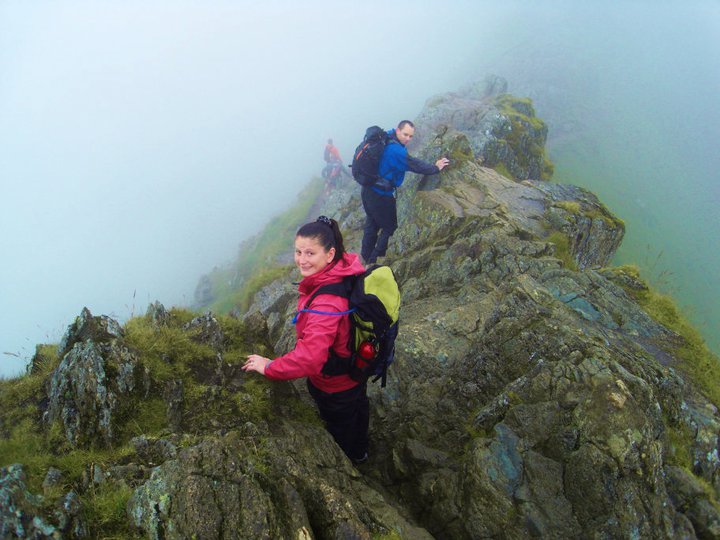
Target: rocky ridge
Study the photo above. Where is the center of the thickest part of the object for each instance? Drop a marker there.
(530, 396)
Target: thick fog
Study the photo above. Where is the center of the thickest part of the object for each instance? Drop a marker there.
(631, 98)
(140, 142)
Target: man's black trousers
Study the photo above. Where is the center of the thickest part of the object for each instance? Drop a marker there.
(380, 224)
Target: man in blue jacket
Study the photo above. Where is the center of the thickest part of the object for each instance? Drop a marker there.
(379, 199)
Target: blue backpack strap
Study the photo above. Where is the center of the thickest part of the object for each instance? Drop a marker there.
(335, 365)
(338, 289)
(318, 312)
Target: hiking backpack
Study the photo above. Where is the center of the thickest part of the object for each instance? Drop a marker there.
(374, 309)
(366, 159)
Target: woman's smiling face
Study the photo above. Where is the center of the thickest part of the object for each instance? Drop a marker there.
(310, 256)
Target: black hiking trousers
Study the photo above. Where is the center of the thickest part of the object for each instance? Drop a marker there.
(380, 224)
(347, 417)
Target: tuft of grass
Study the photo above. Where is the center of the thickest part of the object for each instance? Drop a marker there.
(502, 169)
(521, 114)
(166, 351)
(573, 207)
(20, 396)
(25, 444)
(149, 418)
(209, 406)
(679, 442)
(180, 316)
(18, 400)
(519, 108)
(74, 462)
(562, 249)
(473, 431)
(45, 359)
(254, 403)
(104, 509)
(234, 331)
(698, 362)
(390, 535)
(38, 451)
(611, 220)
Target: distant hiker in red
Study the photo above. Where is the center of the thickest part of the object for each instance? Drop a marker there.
(331, 153)
(334, 166)
(323, 331)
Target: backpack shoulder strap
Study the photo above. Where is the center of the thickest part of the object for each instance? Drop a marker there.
(343, 289)
(338, 289)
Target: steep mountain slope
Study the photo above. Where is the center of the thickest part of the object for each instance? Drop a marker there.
(531, 394)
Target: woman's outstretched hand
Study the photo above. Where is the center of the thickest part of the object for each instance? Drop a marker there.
(255, 362)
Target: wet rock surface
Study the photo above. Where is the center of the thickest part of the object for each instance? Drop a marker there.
(528, 397)
(292, 482)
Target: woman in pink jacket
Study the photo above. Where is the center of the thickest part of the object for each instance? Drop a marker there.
(323, 331)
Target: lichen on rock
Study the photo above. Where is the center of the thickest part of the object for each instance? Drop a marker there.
(498, 130)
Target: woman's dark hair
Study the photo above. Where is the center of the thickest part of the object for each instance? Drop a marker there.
(327, 232)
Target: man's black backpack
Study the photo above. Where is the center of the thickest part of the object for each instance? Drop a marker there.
(366, 159)
(374, 300)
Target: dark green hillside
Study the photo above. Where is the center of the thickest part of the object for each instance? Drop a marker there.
(261, 259)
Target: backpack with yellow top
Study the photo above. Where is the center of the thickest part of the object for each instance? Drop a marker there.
(374, 310)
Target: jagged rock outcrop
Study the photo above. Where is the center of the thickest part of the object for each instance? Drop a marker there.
(21, 511)
(86, 327)
(502, 131)
(90, 386)
(526, 210)
(593, 233)
(157, 313)
(465, 126)
(207, 330)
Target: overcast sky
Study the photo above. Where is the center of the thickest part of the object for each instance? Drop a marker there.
(140, 142)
